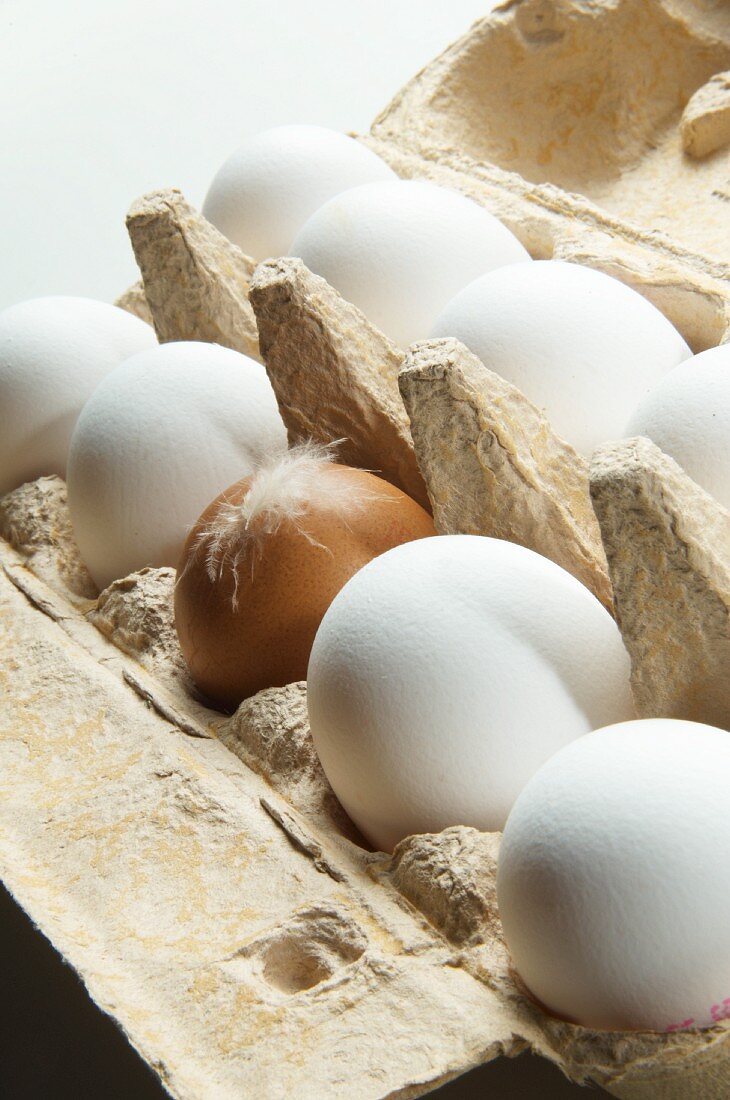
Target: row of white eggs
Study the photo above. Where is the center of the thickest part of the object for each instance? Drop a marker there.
(449, 670)
(461, 679)
(421, 261)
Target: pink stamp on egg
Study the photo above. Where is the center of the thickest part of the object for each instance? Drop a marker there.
(681, 1026)
(718, 1012)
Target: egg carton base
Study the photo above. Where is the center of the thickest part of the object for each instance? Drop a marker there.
(198, 907)
(250, 918)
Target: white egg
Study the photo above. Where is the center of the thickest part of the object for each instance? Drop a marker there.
(53, 354)
(267, 189)
(446, 672)
(688, 416)
(400, 250)
(580, 345)
(614, 878)
(161, 436)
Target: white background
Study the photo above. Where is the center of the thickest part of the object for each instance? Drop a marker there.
(103, 100)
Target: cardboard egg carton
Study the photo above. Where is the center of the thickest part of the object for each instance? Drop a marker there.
(195, 868)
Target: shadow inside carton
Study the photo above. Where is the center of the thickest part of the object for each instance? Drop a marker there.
(55, 1043)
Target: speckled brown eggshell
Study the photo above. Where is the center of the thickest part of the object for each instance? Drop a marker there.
(285, 584)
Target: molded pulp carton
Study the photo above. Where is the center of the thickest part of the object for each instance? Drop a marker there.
(194, 867)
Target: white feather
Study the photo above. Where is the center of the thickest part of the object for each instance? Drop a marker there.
(281, 491)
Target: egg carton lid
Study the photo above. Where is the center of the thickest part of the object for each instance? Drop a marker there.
(597, 132)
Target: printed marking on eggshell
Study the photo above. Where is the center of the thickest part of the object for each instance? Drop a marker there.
(717, 1013)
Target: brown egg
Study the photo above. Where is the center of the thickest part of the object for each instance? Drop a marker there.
(267, 557)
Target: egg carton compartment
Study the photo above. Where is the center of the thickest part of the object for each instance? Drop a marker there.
(196, 868)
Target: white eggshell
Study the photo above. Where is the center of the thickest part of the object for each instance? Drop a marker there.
(580, 345)
(446, 672)
(614, 878)
(401, 250)
(267, 189)
(53, 353)
(161, 436)
(688, 416)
